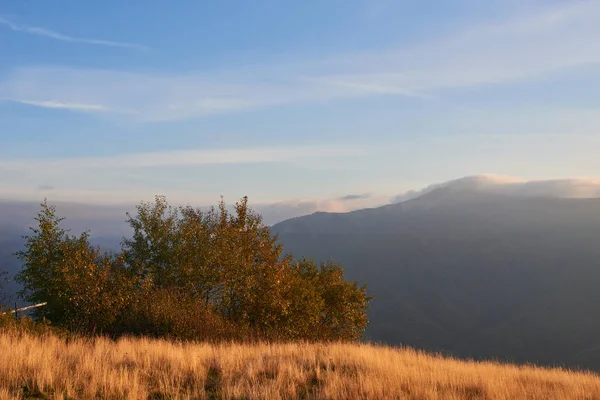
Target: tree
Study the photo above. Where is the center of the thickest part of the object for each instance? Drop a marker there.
(83, 287)
(43, 258)
(231, 261)
(344, 313)
(189, 273)
(227, 259)
(325, 305)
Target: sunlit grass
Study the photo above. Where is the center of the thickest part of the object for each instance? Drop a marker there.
(158, 369)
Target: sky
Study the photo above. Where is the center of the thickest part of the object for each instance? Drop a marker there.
(329, 104)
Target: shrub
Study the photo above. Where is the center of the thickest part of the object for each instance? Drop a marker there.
(172, 313)
(190, 274)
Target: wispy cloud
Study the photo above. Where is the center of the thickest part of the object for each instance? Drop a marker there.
(279, 211)
(34, 30)
(185, 175)
(526, 47)
(180, 158)
(60, 105)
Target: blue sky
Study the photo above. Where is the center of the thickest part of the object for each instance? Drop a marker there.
(292, 102)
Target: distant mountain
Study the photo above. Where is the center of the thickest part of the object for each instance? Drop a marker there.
(471, 270)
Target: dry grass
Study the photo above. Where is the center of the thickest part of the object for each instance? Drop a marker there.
(154, 369)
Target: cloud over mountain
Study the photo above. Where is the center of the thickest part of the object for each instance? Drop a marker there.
(276, 212)
(562, 188)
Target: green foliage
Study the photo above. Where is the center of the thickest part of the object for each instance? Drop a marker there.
(191, 274)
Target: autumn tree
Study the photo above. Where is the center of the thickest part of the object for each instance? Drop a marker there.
(230, 260)
(324, 305)
(189, 273)
(82, 286)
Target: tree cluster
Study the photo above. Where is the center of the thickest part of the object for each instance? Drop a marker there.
(188, 273)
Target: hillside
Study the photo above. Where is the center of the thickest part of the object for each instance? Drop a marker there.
(49, 367)
(471, 273)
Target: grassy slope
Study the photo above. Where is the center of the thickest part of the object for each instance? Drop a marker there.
(157, 369)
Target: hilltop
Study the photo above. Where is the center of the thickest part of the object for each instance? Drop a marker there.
(50, 367)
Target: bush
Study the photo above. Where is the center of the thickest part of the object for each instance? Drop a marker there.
(26, 325)
(171, 313)
(190, 274)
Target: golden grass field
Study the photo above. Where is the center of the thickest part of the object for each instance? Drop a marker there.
(51, 367)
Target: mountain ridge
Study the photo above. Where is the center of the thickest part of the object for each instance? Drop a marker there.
(470, 273)
(484, 184)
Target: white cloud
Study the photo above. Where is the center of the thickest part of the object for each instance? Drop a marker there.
(34, 30)
(577, 188)
(529, 46)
